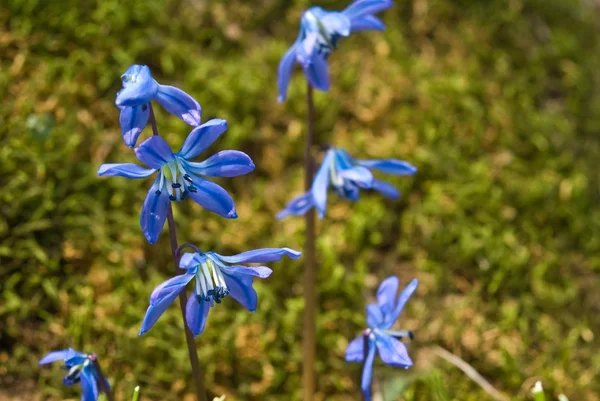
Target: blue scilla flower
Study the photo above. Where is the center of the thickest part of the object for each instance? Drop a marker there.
(215, 279)
(347, 176)
(139, 88)
(380, 319)
(178, 177)
(80, 369)
(319, 33)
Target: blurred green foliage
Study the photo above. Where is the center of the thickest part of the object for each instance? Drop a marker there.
(496, 102)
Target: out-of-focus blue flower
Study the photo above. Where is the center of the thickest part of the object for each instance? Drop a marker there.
(216, 277)
(380, 319)
(139, 88)
(319, 33)
(178, 177)
(80, 369)
(347, 176)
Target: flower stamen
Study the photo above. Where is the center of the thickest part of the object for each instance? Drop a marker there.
(210, 283)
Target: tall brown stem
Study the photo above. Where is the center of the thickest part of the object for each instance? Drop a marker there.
(189, 336)
(310, 268)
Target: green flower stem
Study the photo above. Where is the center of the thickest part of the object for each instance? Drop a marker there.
(136, 394)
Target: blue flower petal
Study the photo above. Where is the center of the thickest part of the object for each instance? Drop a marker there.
(154, 213)
(404, 297)
(166, 288)
(359, 175)
(321, 183)
(138, 87)
(343, 160)
(256, 271)
(367, 374)
(212, 197)
(388, 190)
(336, 23)
(297, 206)
(363, 7)
(133, 120)
(89, 386)
(190, 260)
(202, 137)
(196, 313)
(318, 12)
(128, 170)
(155, 152)
(263, 255)
(286, 67)
(227, 163)
(367, 22)
(355, 350)
(375, 317)
(316, 71)
(75, 358)
(55, 356)
(307, 46)
(179, 103)
(392, 351)
(240, 287)
(348, 190)
(386, 295)
(390, 166)
(162, 297)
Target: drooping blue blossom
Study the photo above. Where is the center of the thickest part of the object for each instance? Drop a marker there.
(178, 177)
(80, 369)
(347, 176)
(381, 316)
(139, 89)
(216, 277)
(320, 31)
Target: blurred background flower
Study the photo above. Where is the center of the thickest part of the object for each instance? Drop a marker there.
(346, 176)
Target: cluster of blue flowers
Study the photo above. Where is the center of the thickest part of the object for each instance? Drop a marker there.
(178, 177)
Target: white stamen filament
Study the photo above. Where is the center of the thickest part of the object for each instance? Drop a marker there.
(210, 277)
(221, 278)
(336, 180)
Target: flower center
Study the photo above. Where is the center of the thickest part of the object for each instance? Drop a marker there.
(326, 41)
(130, 78)
(175, 180)
(74, 374)
(210, 283)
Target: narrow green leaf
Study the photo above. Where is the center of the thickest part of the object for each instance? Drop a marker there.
(538, 392)
(136, 394)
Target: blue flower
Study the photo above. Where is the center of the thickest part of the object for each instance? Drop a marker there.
(319, 33)
(215, 279)
(380, 319)
(178, 177)
(139, 88)
(347, 176)
(80, 369)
